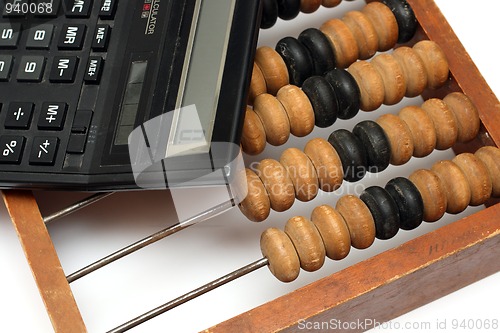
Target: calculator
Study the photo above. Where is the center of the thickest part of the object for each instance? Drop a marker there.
(78, 76)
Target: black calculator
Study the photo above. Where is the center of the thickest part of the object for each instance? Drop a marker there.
(78, 76)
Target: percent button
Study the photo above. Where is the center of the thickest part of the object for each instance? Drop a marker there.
(11, 149)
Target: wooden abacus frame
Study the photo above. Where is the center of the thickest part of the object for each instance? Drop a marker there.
(407, 277)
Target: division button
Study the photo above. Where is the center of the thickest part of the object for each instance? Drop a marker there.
(94, 70)
(64, 69)
(19, 115)
(52, 116)
(31, 68)
(44, 150)
(11, 149)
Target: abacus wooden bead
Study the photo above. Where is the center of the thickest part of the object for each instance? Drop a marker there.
(435, 62)
(318, 45)
(358, 219)
(288, 9)
(307, 241)
(256, 206)
(342, 40)
(298, 108)
(278, 185)
(273, 68)
(400, 138)
(323, 100)
(445, 123)
(409, 202)
(253, 137)
(364, 33)
(297, 59)
(384, 211)
(466, 114)
(330, 3)
(458, 193)
(371, 85)
(327, 163)
(277, 247)
(392, 76)
(433, 193)
(274, 119)
(413, 69)
(421, 128)
(333, 231)
(491, 159)
(477, 176)
(302, 173)
(385, 24)
(347, 92)
(269, 13)
(257, 84)
(407, 22)
(309, 6)
(376, 144)
(352, 154)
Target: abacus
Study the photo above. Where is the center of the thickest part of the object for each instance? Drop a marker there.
(468, 233)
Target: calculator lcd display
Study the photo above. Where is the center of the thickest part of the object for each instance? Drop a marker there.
(204, 72)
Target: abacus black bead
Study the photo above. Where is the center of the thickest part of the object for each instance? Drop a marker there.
(376, 143)
(384, 211)
(407, 21)
(323, 100)
(297, 60)
(318, 45)
(269, 13)
(288, 9)
(408, 200)
(347, 91)
(352, 154)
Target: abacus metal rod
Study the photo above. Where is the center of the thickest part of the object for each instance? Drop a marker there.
(209, 213)
(191, 295)
(76, 206)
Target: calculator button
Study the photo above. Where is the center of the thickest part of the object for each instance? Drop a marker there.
(19, 115)
(44, 150)
(64, 69)
(52, 116)
(11, 149)
(101, 37)
(76, 144)
(9, 34)
(5, 66)
(94, 70)
(108, 8)
(31, 68)
(72, 37)
(39, 37)
(78, 8)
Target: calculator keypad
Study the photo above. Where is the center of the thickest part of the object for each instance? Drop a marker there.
(64, 47)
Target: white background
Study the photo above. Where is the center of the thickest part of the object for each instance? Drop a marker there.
(205, 252)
